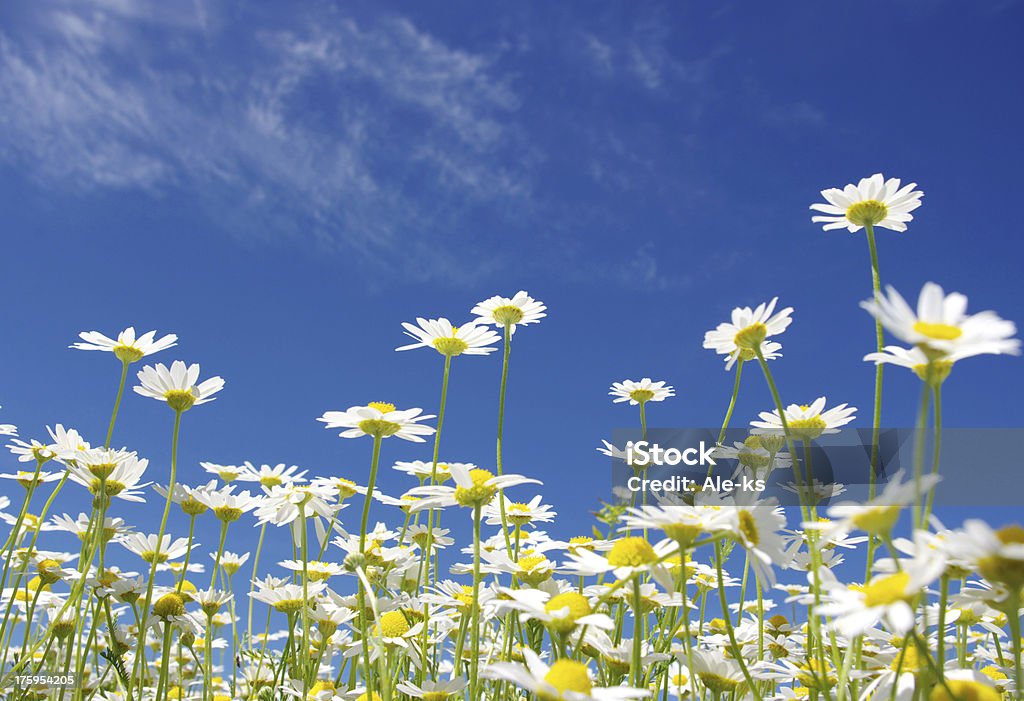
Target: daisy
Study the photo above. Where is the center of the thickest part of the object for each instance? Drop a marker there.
(271, 475)
(32, 450)
(564, 680)
(145, 546)
(519, 514)
(509, 312)
(998, 555)
(286, 598)
(449, 340)
(474, 487)
(879, 515)
(916, 360)
(228, 473)
(746, 331)
(127, 348)
(941, 326)
(31, 479)
(640, 392)
(380, 420)
(434, 691)
(755, 523)
(118, 472)
(873, 201)
(626, 558)
(284, 503)
(717, 673)
(887, 599)
(177, 386)
(315, 569)
(805, 421)
(226, 506)
(423, 470)
(66, 442)
(561, 611)
(679, 522)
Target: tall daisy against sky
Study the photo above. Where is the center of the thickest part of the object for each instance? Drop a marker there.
(872, 202)
(178, 387)
(743, 338)
(941, 333)
(379, 420)
(507, 313)
(128, 349)
(449, 341)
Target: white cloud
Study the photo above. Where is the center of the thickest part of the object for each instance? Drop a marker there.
(340, 128)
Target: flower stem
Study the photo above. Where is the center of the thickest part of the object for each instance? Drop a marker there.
(117, 402)
(475, 609)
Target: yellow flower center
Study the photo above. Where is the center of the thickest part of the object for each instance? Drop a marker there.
(379, 428)
(886, 590)
(435, 695)
(374, 696)
(393, 624)
(631, 552)
(519, 514)
(748, 527)
(169, 605)
(450, 345)
(964, 690)
(323, 685)
(478, 494)
(807, 429)
(180, 399)
(938, 331)
(382, 407)
(507, 314)
(465, 596)
(580, 542)
(867, 213)
(716, 683)
(568, 675)
(751, 337)
(228, 514)
(877, 520)
(1001, 568)
(577, 606)
(641, 395)
(127, 354)
(683, 533)
(192, 506)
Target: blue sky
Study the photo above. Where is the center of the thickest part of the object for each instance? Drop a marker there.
(282, 186)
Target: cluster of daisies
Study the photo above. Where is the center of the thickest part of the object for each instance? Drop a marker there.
(717, 596)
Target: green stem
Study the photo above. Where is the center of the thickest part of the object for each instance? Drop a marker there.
(475, 609)
(738, 653)
(117, 402)
(140, 657)
(936, 450)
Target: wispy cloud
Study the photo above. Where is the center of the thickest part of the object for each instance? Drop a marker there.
(312, 120)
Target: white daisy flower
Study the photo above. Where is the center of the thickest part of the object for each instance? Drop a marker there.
(146, 546)
(271, 475)
(177, 385)
(127, 348)
(519, 310)
(473, 487)
(519, 513)
(805, 421)
(873, 201)
(746, 331)
(941, 326)
(564, 680)
(228, 473)
(641, 392)
(380, 420)
(998, 555)
(888, 598)
(561, 611)
(448, 340)
(880, 514)
(434, 691)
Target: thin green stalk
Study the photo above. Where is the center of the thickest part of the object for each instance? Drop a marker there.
(475, 609)
(117, 402)
(159, 543)
(936, 448)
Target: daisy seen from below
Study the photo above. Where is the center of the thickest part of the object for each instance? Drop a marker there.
(509, 312)
(873, 201)
(746, 332)
(641, 392)
(126, 348)
(563, 680)
(379, 420)
(177, 385)
(940, 325)
(805, 421)
(448, 340)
